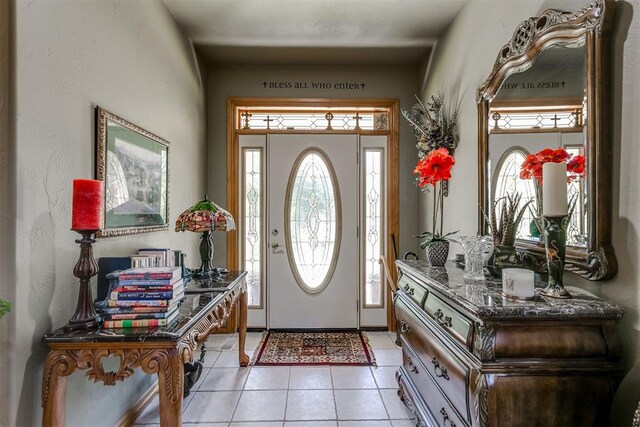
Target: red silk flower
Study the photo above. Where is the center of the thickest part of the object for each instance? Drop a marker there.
(435, 167)
(532, 165)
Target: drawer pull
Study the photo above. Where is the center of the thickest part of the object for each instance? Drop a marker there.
(409, 290)
(404, 328)
(442, 319)
(412, 367)
(439, 371)
(445, 418)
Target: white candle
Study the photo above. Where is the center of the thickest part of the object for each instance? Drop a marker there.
(517, 283)
(554, 189)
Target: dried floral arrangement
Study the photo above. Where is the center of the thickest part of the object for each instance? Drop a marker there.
(433, 126)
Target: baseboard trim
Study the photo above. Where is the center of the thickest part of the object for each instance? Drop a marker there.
(132, 414)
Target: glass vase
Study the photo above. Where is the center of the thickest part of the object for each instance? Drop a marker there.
(474, 248)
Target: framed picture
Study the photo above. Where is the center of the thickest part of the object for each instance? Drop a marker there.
(134, 165)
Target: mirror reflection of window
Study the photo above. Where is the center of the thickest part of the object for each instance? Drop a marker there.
(507, 181)
(577, 193)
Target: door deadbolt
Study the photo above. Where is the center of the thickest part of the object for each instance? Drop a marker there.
(274, 232)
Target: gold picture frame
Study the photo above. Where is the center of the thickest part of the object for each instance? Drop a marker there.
(134, 165)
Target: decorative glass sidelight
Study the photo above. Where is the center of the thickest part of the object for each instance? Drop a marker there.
(373, 227)
(252, 224)
(312, 220)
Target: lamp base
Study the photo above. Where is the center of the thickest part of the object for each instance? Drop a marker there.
(206, 253)
(205, 273)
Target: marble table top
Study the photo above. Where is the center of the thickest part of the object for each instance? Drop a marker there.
(485, 301)
(192, 308)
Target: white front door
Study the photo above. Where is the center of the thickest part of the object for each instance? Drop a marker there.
(312, 253)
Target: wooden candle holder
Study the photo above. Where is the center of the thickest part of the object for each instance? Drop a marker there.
(85, 316)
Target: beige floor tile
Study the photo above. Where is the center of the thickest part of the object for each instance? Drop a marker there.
(359, 405)
(210, 357)
(268, 378)
(403, 423)
(395, 408)
(229, 359)
(211, 406)
(257, 424)
(310, 377)
(364, 423)
(224, 379)
(310, 424)
(385, 376)
(388, 357)
(267, 405)
(351, 377)
(303, 405)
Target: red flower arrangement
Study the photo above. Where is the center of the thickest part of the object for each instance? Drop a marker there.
(532, 168)
(435, 168)
(532, 165)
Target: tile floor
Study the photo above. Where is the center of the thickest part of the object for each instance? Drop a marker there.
(274, 396)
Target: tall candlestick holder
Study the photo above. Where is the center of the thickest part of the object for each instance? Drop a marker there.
(555, 243)
(85, 316)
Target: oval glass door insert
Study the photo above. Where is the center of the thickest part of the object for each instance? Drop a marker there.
(312, 220)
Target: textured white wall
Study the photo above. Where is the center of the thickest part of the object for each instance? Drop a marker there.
(246, 81)
(131, 59)
(461, 62)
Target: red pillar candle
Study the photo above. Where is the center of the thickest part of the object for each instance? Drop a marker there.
(88, 204)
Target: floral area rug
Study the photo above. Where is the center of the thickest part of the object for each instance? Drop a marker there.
(314, 348)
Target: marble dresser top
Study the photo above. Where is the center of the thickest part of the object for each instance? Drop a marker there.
(484, 299)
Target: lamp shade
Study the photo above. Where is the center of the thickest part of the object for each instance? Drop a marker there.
(205, 216)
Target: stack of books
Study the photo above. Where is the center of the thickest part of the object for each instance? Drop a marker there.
(144, 297)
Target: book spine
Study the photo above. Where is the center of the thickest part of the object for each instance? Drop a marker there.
(138, 288)
(144, 282)
(144, 276)
(137, 316)
(115, 295)
(108, 311)
(144, 323)
(139, 303)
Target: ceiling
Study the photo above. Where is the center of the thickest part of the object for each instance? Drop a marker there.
(312, 32)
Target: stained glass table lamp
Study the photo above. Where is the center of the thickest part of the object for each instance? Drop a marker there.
(205, 217)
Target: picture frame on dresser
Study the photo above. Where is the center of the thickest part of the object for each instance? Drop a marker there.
(133, 163)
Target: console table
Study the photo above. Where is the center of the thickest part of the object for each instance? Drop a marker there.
(160, 351)
(472, 357)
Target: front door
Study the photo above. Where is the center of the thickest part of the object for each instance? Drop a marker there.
(312, 235)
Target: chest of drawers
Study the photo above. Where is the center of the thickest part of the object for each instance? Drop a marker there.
(471, 357)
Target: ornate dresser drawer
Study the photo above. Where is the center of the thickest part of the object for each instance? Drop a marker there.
(439, 405)
(412, 289)
(449, 319)
(437, 361)
(472, 357)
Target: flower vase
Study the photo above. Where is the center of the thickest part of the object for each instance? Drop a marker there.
(437, 252)
(474, 248)
(504, 256)
(555, 238)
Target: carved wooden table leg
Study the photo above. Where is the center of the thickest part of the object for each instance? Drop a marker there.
(54, 387)
(242, 330)
(168, 364)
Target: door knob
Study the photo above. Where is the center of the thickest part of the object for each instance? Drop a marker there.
(275, 246)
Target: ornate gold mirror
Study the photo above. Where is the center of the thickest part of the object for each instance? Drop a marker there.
(549, 88)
